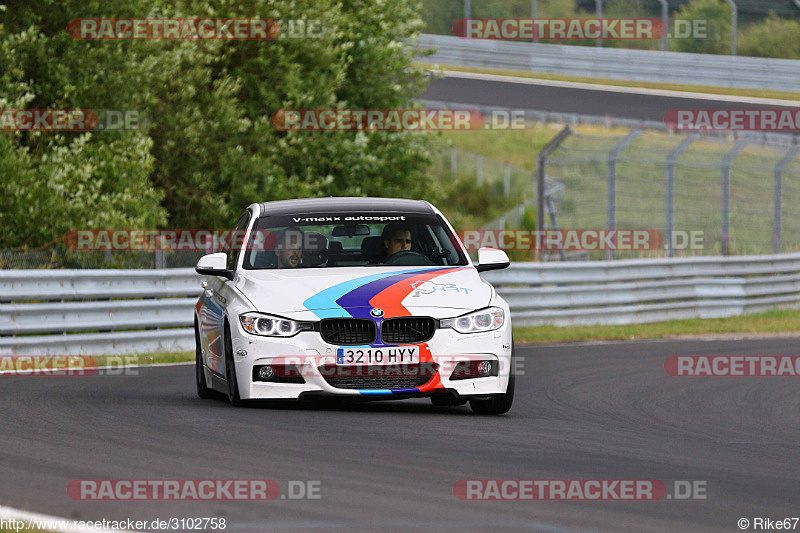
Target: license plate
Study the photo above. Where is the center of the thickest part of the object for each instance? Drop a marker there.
(377, 356)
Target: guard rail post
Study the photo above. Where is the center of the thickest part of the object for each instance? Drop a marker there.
(725, 193)
(670, 186)
(160, 259)
(611, 187)
(598, 5)
(777, 197)
(541, 168)
(734, 25)
(665, 21)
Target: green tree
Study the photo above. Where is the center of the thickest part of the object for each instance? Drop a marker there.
(361, 63)
(772, 37)
(717, 15)
(209, 149)
(53, 182)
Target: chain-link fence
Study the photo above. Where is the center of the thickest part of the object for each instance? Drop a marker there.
(737, 196)
(507, 184)
(506, 194)
(704, 194)
(479, 189)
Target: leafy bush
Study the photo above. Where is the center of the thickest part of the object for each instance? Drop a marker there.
(717, 15)
(467, 205)
(772, 37)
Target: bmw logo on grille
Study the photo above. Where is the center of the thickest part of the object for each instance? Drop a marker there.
(377, 313)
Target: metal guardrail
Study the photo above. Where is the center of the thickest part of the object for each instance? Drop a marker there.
(17, 285)
(95, 312)
(647, 290)
(115, 343)
(616, 63)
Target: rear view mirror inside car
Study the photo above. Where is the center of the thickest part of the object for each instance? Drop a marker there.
(350, 230)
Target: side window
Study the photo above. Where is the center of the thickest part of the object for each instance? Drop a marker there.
(233, 244)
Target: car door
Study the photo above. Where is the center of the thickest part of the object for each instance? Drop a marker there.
(216, 297)
(212, 321)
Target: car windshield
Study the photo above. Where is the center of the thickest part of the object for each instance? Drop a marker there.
(327, 240)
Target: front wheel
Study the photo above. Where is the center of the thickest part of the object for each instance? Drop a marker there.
(501, 403)
(496, 405)
(230, 372)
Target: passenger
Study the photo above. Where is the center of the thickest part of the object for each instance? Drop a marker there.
(290, 248)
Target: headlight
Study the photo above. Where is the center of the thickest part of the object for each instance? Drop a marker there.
(272, 326)
(484, 320)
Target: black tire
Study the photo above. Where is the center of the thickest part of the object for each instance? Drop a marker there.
(230, 372)
(496, 405)
(200, 379)
(501, 403)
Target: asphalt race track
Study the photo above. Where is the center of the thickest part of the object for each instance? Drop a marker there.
(586, 101)
(602, 411)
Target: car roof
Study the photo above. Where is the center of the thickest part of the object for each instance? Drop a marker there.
(343, 204)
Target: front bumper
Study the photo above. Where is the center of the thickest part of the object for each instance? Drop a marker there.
(308, 352)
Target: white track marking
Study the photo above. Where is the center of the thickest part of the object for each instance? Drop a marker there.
(94, 368)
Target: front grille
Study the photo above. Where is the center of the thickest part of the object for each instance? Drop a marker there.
(344, 331)
(378, 377)
(408, 329)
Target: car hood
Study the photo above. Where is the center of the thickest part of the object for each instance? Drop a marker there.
(306, 294)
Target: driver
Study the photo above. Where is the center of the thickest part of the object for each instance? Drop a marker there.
(396, 238)
(290, 248)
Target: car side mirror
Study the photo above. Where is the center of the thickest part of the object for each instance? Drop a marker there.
(491, 259)
(214, 265)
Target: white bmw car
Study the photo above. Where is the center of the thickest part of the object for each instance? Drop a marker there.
(371, 298)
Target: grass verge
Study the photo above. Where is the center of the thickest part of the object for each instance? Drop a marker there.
(157, 358)
(728, 91)
(777, 321)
